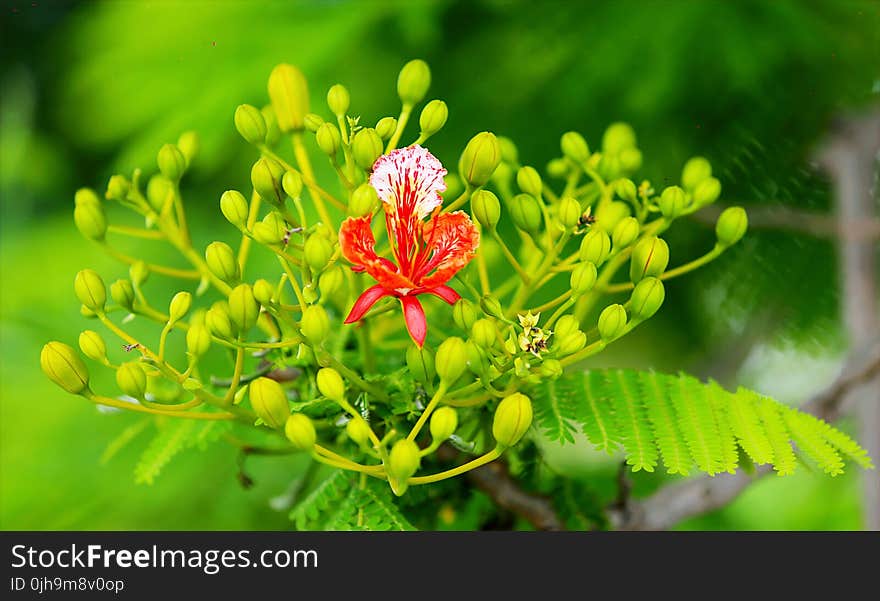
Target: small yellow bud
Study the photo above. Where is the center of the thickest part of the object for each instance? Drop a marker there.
(595, 247)
(90, 290)
(525, 212)
(626, 189)
(289, 94)
(491, 306)
(558, 168)
(574, 147)
(234, 207)
(171, 162)
(609, 214)
(329, 139)
(509, 152)
(363, 201)
(650, 257)
(566, 325)
(433, 118)
(618, 137)
(122, 293)
(647, 297)
(160, 191)
(266, 177)
(695, 171)
(583, 278)
(444, 421)
(612, 322)
(486, 208)
(222, 262)
(269, 401)
(338, 99)
(198, 340)
(250, 124)
(64, 367)
(330, 384)
(300, 431)
(292, 183)
(358, 430)
(117, 188)
(672, 202)
(569, 212)
(271, 230)
(138, 273)
(179, 306)
(413, 82)
(189, 144)
(218, 321)
(512, 419)
(450, 361)
(731, 225)
(420, 362)
(315, 324)
(479, 159)
(385, 127)
(625, 233)
(707, 191)
(403, 462)
(90, 219)
(317, 251)
(529, 181)
(243, 307)
(366, 147)
(312, 122)
(630, 159)
(484, 333)
(132, 379)
(263, 292)
(92, 345)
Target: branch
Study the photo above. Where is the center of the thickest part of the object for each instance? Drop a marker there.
(676, 502)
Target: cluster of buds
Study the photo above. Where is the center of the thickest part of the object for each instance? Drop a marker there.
(397, 269)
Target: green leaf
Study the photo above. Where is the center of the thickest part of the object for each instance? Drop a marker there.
(687, 423)
(174, 436)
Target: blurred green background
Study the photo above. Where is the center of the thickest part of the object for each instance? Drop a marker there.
(94, 88)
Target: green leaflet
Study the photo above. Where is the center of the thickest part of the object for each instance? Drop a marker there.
(340, 503)
(687, 423)
(173, 437)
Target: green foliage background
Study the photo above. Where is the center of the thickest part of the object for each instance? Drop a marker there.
(89, 89)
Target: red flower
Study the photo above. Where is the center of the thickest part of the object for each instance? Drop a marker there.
(427, 252)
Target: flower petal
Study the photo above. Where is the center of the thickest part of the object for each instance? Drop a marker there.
(365, 301)
(358, 246)
(454, 240)
(409, 181)
(444, 292)
(414, 315)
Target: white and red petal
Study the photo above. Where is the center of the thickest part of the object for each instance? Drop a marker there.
(409, 181)
(451, 242)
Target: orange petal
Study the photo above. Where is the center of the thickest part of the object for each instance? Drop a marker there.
(453, 239)
(359, 246)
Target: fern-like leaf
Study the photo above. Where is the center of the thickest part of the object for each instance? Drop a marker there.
(332, 490)
(175, 436)
(687, 423)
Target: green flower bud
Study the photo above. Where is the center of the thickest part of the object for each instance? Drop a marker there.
(160, 191)
(179, 306)
(263, 292)
(491, 307)
(672, 202)
(385, 127)
(420, 362)
(695, 171)
(266, 177)
(509, 153)
(234, 207)
(132, 379)
(138, 273)
(609, 214)
(315, 324)
(269, 402)
(86, 196)
(189, 144)
(558, 168)
(569, 212)
(433, 118)
(525, 212)
(250, 124)
(570, 343)
(565, 325)
(583, 278)
(707, 192)
(626, 189)
(413, 82)
(444, 421)
(625, 233)
(90, 220)
(330, 384)
(366, 147)
(312, 122)
(403, 462)
(243, 307)
(512, 419)
(358, 430)
(222, 262)
(122, 293)
(271, 230)
(90, 290)
(198, 340)
(551, 368)
(171, 162)
(595, 247)
(484, 333)
(646, 298)
(486, 208)
(338, 100)
(476, 360)
(317, 251)
(289, 94)
(331, 281)
(92, 345)
(480, 158)
(464, 314)
(630, 159)
(117, 188)
(300, 431)
(218, 321)
(650, 257)
(612, 322)
(329, 139)
(450, 361)
(363, 201)
(273, 134)
(64, 367)
(731, 225)
(529, 181)
(292, 183)
(574, 147)
(617, 137)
